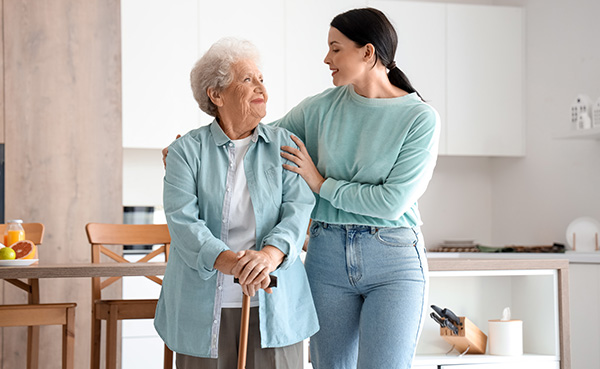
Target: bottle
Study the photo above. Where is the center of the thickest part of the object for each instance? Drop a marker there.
(14, 232)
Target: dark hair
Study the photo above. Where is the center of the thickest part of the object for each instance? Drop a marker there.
(370, 26)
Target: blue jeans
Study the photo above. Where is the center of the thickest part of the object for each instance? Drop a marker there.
(369, 286)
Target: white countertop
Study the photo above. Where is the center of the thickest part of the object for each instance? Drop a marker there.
(574, 257)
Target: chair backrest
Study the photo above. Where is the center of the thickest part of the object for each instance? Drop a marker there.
(101, 234)
(34, 232)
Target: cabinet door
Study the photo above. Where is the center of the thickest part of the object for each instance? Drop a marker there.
(159, 48)
(262, 23)
(421, 53)
(484, 82)
(584, 300)
(306, 30)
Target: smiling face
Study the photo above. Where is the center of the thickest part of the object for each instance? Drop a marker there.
(345, 59)
(243, 103)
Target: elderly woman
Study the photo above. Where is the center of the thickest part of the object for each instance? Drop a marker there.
(233, 211)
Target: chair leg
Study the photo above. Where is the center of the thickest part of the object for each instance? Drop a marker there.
(168, 358)
(33, 332)
(68, 355)
(96, 342)
(111, 338)
(33, 347)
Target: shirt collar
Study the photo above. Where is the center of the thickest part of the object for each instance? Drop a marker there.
(221, 138)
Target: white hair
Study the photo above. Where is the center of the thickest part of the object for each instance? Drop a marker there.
(213, 69)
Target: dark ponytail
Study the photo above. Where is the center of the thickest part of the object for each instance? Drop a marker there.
(370, 26)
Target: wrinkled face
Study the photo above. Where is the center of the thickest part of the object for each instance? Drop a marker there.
(246, 97)
(344, 58)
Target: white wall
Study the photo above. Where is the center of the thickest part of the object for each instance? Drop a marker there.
(534, 199)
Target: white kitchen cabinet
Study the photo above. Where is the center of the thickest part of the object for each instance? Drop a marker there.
(306, 31)
(485, 80)
(421, 53)
(535, 290)
(467, 62)
(262, 23)
(162, 42)
(159, 48)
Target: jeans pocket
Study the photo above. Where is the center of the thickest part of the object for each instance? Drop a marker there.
(397, 237)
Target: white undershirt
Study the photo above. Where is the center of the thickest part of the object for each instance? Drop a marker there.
(242, 229)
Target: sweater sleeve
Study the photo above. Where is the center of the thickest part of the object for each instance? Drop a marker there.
(405, 183)
(194, 241)
(294, 121)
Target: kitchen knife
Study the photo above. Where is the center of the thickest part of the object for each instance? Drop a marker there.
(438, 320)
(451, 326)
(438, 310)
(444, 323)
(448, 314)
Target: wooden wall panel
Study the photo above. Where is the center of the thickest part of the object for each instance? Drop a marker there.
(1, 138)
(62, 104)
(1, 82)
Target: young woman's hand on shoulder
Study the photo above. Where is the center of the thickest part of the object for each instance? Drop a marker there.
(304, 164)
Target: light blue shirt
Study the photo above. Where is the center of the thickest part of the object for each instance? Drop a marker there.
(378, 155)
(196, 187)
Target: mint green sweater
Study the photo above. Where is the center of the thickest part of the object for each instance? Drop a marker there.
(377, 155)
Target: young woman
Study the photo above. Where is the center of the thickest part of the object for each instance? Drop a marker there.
(373, 142)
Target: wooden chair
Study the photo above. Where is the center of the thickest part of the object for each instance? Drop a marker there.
(34, 314)
(112, 311)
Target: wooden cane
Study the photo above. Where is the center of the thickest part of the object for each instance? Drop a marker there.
(243, 350)
(244, 324)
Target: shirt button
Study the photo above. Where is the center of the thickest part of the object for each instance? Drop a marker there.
(220, 288)
(230, 144)
(224, 220)
(215, 321)
(228, 189)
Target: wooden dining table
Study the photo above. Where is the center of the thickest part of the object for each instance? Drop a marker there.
(33, 273)
(40, 271)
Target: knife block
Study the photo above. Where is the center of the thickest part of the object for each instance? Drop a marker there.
(469, 336)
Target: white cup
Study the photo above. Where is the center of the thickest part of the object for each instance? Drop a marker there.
(505, 337)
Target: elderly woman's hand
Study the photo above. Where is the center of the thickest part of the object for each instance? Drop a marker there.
(304, 164)
(253, 268)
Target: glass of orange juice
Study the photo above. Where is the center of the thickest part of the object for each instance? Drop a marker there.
(14, 232)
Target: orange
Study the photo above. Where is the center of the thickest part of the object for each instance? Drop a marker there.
(24, 249)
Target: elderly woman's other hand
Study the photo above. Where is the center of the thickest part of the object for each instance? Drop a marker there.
(253, 268)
